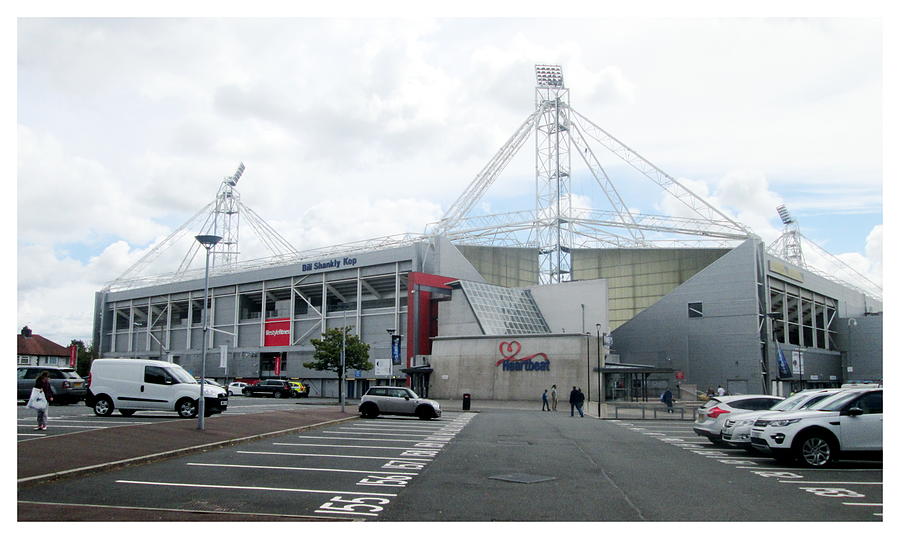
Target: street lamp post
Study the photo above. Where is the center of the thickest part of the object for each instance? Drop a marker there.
(601, 391)
(208, 242)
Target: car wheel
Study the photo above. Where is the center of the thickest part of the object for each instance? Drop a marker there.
(103, 406)
(369, 410)
(186, 408)
(425, 413)
(127, 413)
(816, 450)
(230, 393)
(277, 394)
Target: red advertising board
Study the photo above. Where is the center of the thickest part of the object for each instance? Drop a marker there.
(278, 332)
(278, 365)
(73, 355)
(679, 375)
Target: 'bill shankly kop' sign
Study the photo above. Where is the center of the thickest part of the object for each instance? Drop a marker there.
(510, 349)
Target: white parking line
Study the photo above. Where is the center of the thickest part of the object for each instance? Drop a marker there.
(837, 482)
(351, 446)
(359, 439)
(245, 487)
(329, 456)
(295, 468)
(873, 504)
(376, 433)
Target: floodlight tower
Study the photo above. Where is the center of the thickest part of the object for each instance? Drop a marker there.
(227, 221)
(553, 162)
(790, 239)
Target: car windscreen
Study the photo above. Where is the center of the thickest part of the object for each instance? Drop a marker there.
(836, 402)
(791, 403)
(181, 375)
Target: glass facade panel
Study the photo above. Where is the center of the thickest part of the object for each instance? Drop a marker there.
(504, 311)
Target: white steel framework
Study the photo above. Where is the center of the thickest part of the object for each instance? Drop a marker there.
(552, 228)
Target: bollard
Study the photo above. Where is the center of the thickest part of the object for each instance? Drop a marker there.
(467, 401)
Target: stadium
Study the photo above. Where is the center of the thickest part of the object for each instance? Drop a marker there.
(503, 306)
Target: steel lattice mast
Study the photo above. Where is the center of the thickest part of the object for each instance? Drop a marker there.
(553, 163)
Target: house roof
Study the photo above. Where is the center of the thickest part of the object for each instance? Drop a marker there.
(35, 345)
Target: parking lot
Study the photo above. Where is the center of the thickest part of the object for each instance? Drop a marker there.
(851, 485)
(496, 464)
(346, 471)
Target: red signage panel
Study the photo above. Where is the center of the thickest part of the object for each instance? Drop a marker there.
(679, 375)
(73, 355)
(278, 332)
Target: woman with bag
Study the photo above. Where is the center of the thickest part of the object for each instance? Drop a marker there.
(41, 396)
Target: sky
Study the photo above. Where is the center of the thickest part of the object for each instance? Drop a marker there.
(355, 128)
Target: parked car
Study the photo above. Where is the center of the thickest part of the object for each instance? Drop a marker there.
(299, 390)
(736, 431)
(236, 388)
(271, 388)
(390, 400)
(712, 415)
(146, 384)
(68, 387)
(847, 424)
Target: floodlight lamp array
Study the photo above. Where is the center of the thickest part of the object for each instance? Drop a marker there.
(232, 181)
(784, 214)
(548, 75)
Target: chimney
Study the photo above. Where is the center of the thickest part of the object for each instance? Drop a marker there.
(26, 332)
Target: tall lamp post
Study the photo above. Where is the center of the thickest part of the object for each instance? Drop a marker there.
(601, 391)
(208, 242)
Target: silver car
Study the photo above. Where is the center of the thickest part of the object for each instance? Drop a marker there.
(736, 431)
(390, 400)
(712, 415)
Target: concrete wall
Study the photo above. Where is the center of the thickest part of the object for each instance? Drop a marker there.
(561, 304)
(469, 365)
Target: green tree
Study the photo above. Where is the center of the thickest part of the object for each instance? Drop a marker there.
(86, 356)
(327, 356)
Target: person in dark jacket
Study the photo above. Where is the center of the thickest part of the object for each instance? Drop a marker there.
(667, 399)
(579, 401)
(43, 383)
(573, 396)
(545, 402)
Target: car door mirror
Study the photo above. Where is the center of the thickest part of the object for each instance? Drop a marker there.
(854, 411)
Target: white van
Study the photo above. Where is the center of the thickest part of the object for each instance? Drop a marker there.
(146, 384)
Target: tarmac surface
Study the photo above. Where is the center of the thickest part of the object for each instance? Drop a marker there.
(82, 453)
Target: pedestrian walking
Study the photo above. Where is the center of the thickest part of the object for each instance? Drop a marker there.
(573, 396)
(666, 397)
(41, 396)
(545, 405)
(554, 397)
(720, 391)
(579, 401)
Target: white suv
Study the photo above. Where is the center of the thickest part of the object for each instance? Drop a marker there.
(391, 400)
(736, 431)
(846, 424)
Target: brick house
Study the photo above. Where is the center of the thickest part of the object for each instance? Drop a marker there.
(34, 350)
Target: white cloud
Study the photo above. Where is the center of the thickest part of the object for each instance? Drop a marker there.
(127, 126)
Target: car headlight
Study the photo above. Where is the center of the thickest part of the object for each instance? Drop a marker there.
(745, 422)
(782, 422)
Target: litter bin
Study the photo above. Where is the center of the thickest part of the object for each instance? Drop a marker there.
(467, 401)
